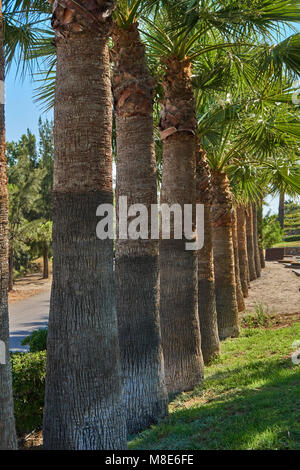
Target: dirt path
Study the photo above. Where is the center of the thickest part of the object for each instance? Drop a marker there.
(27, 286)
(278, 289)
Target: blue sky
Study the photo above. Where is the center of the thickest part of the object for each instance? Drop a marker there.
(21, 111)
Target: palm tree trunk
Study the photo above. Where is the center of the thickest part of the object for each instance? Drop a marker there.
(262, 258)
(137, 262)
(83, 406)
(250, 243)
(242, 248)
(260, 232)
(11, 270)
(227, 308)
(45, 262)
(255, 241)
(178, 267)
(281, 211)
(210, 343)
(8, 439)
(239, 290)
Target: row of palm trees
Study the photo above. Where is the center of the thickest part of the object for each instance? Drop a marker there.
(120, 343)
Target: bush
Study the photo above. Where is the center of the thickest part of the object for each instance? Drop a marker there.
(28, 370)
(37, 340)
(272, 232)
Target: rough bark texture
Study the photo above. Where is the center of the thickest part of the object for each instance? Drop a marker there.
(260, 233)
(8, 438)
(227, 308)
(242, 249)
(210, 343)
(178, 267)
(250, 243)
(10, 270)
(262, 258)
(83, 406)
(255, 241)
(281, 213)
(137, 262)
(239, 290)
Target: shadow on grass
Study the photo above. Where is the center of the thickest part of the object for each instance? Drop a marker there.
(264, 414)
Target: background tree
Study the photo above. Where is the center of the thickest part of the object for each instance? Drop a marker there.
(272, 231)
(24, 178)
(38, 235)
(46, 158)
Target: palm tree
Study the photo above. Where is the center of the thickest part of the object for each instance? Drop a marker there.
(83, 407)
(8, 439)
(178, 267)
(255, 240)
(226, 297)
(260, 231)
(280, 185)
(281, 213)
(137, 262)
(239, 289)
(242, 249)
(250, 242)
(16, 38)
(210, 343)
(282, 172)
(224, 139)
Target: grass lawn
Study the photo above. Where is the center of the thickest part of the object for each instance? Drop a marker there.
(250, 399)
(287, 244)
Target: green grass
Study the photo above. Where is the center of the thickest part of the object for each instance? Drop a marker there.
(250, 399)
(287, 244)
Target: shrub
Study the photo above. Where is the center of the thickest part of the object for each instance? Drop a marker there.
(37, 340)
(272, 232)
(28, 371)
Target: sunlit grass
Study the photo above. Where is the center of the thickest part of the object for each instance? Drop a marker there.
(287, 244)
(250, 399)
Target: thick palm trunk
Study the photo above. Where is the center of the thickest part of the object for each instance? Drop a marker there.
(83, 408)
(281, 213)
(137, 262)
(260, 233)
(250, 243)
(255, 241)
(178, 267)
(239, 290)
(210, 343)
(45, 262)
(242, 250)
(227, 308)
(8, 439)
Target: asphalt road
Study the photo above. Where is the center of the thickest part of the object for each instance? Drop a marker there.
(26, 316)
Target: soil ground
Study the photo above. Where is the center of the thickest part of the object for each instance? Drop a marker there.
(30, 285)
(278, 290)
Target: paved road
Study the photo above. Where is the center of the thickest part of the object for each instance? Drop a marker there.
(26, 316)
